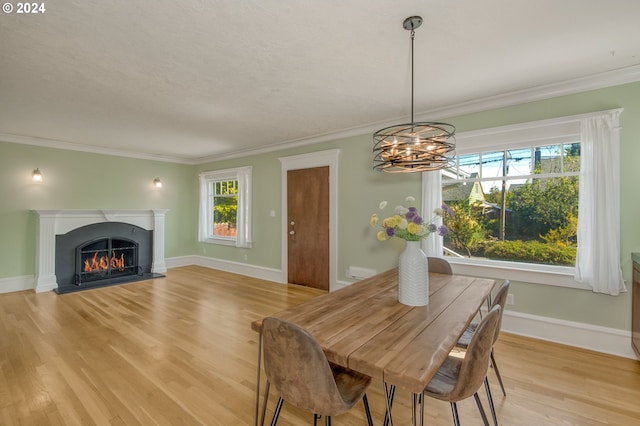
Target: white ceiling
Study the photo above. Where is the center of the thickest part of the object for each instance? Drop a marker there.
(196, 80)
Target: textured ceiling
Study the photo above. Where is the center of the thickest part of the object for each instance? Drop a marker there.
(195, 80)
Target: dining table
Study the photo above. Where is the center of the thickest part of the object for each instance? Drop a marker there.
(365, 328)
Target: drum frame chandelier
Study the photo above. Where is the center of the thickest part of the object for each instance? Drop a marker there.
(415, 146)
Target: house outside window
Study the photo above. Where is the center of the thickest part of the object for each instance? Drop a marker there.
(225, 199)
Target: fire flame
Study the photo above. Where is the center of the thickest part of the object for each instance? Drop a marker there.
(102, 263)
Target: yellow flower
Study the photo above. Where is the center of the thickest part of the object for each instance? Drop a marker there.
(381, 236)
(392, 221)
(374, 220)
(414, 228)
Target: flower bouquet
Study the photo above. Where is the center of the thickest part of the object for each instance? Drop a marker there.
(413, 273)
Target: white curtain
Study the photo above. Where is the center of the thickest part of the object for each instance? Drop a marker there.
(243, 218)
(598, 257)
(432, 199)
(203, 216)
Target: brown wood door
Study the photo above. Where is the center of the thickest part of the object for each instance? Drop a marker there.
(308, 227)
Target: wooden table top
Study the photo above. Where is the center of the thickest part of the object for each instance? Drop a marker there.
(365, 328)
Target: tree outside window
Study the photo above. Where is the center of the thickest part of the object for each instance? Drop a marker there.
(225, 208)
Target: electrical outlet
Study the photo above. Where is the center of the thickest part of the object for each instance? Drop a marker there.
(511, 299)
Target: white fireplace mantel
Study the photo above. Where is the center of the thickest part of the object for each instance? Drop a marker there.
(57, 222)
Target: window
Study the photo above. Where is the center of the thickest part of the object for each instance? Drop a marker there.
(225, 197)
(522, 191)
(515, 204)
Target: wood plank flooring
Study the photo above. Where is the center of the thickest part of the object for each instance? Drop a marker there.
(180, 351)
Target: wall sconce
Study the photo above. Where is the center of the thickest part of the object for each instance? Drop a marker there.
(157, 183)
(36, 175)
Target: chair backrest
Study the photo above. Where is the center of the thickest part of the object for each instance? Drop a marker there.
(439, 265)
(298, 369)
(500, 300)
(473, 368)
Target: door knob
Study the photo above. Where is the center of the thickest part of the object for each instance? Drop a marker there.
(292, 223)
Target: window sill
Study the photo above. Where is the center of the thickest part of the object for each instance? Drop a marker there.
(559, 276)
(221, 241)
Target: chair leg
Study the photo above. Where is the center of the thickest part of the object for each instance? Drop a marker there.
(490, 397)
(367, 410)
(327, 420)
(454, 411)
(495, 367)
(315, 419)
(277, 412)
(264, 404)
(481, 409)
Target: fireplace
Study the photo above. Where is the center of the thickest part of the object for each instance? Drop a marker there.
(80, 249)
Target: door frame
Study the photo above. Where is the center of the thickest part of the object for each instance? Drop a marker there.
(307, 161)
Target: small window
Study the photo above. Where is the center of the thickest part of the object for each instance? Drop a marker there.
(225, 207)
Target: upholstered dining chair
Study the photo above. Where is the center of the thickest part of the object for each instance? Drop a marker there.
(499, 300)
(299, 370)
(439, 265)
(460, 378)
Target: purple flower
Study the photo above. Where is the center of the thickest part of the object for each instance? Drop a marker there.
(433, 227)
(391, 232)
(448, 209)
(443, 230)
(416, 219)
(411, 215)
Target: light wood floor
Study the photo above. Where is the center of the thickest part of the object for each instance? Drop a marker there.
(180, 351)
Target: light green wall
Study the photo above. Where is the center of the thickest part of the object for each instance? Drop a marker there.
(76, 180)
(80, 180)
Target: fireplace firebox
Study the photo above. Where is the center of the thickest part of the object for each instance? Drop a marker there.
(106, 258)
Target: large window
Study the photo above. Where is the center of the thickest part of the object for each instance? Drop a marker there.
(536, 202)
(515, 204)
(225, 207)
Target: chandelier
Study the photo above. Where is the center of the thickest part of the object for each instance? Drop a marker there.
(413, 147)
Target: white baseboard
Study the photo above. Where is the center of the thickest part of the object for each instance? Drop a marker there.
(11, 284)
(587, 336)
(254, 271)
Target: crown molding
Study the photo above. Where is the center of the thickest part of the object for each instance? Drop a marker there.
(592, 82)
(72, 146)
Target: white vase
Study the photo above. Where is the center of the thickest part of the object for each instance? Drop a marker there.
(413, 276)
